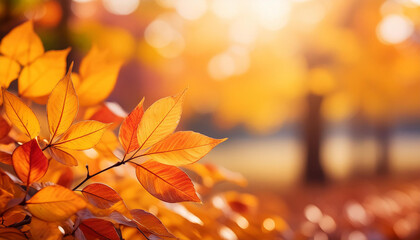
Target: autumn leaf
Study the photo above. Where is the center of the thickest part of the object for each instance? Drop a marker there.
(11, 234)
(63, 157)
(62, 106)
(101, 195)
(39, 78)
(160, 120)
(44, 230)
(128, 129)
(109, 112)
(13, 215)
(182, 148)
(20, 115)
(55, 203)
(82, 135)
(5, 197)
(22, 44)
(147, 222)
(94, 228)
(107, 144)
(167, 183)
(4, 127)
(6, 183)
(9, 71)
(29, 162)
(98, 73)
(104, 197)
(6, 158)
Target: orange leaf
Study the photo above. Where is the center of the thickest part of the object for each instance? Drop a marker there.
(4, 128)
(29, 162)
(7, 184)
(167, 183)
(128, 129)
(22, 44)
(149, 223)
(20, 115)
(9, 71)
(45, 230)
(108, 112)
(62, 106)
(94, 228)
(11, 234)
(6, 158)
(160, 120)
(104, 197)
(101, 195)
(55, 203)
(182, 148)
(63, 157)
(82, 135)
(40, 77)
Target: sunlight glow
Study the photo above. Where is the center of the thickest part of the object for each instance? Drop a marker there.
(269, 224)
(159, 33)
(243, 31)
(221, 66)
(313, 213)
(121, 7)
(272, 14)
(394, 29)
(191, 9)
(227, 234)
(225, 9)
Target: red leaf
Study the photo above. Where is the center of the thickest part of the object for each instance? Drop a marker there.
(100, 195)
(128, 130)
(108, 113)
(29, 162)
(147, 222)
(167, 183)
(94, 228)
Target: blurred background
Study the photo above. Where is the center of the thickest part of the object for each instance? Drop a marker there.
(306, 90)
(314, 95)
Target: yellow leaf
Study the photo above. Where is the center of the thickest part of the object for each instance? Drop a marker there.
(55, 203)
(99, 73)
(160, 120)
(22, 44)
(9, 71)
(20, 115)
(182, 148)
(62, 106)
(82, 135)
(39, 78)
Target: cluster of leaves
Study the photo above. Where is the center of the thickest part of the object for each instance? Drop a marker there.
(36, 205)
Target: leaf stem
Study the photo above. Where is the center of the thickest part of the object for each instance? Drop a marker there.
(88, 176)
(46, 147)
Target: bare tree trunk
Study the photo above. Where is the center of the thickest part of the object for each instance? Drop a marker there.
(313, 129)
(383, 137)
